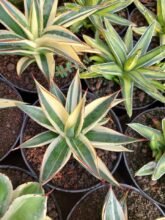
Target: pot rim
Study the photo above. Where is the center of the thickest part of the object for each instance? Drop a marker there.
(104, 185)
(33, 176)
(4, 80)
(60, 188)
(127, 166)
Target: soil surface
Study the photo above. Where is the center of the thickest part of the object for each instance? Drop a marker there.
(9, 131)
(149, 1)
(73, 176)
(25, 81)
(142, 154)
(139, 208)
(19, 177)
(102, 87)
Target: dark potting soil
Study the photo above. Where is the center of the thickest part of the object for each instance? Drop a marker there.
(139, 208)
(10, 120)
(19, 177)
(25, 81)
(102, 87)
(73, 176)
(149, 1)
(142, 154)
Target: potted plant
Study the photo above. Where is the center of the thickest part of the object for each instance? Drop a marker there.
(123, 203)
(148, 170)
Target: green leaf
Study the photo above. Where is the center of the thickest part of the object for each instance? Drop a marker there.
(127, 86)
(163, 127)
(27, 207)
(145, 131)
(152, 73)
(52, 108)
(9, 35)
(46, 64)
(144, 41)
(75, 120)
(69, 18)
(39, 140)
(6, 190)
(27, 189)
(128, 39)
(50, 9)
(116, 19)
(55, 158)
(54, 89)
(27, 6)
(84, 151)
(102, 137)
(159, 169)
(23, 63)
(74, 94)
(8, 103)
(97, 110)
(112, 209)
(147, 169)
(37, 115)
(114, 41)
(161, 12)
(14, 20)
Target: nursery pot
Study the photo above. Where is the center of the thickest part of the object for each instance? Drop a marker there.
(90, 206)
(73, 177)
(25, 82)
(11, 119)
(142, 154)
(19, 176)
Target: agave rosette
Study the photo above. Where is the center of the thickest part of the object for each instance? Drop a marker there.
(132, 66)
(27, 201)
(72, 129)
(40, 33)
(105, 8)
(155, 168)
(158, 19)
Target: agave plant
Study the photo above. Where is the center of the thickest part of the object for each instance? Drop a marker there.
(106, 8)
(40, 33)
(158, 18)
(156, 137)
(26, 202)
(132, 66)
(73, 129)
(114, 209)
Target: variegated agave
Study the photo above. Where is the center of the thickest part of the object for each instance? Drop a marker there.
(157, 144)
(158, 18)
(106, 8)
(72, 129)
(113, 208)
(40, 33)
(132, 66)
(26, 202)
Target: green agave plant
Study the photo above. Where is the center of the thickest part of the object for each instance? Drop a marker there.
(26, 202)
(40, 33)
(114, 209)
(132, 66)
(72, 129)
(158, 18)
(106, 8)
(156, 137)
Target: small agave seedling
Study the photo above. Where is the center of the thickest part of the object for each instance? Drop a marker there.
(158, 18)
(156, 137)
(106, 8)
(40, 33)
(114, 209)
(73, 129)
(132, 66)
(26, 202)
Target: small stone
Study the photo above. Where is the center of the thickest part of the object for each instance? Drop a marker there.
(153, 182)
(10, 67)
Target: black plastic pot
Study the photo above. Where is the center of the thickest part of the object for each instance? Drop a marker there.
(3, 167)
(3, 80)
(87, 195)
(52, 185)
(126, 162)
